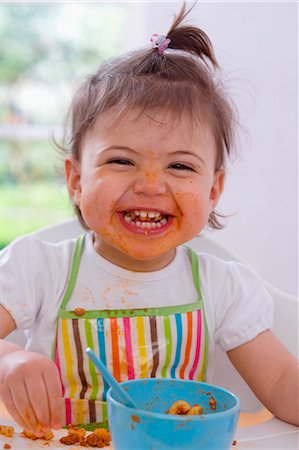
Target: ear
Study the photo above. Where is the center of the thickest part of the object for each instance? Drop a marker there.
(217, 187)
(72, 172)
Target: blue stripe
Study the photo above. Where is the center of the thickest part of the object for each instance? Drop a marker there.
(178, 321)
(102, 351)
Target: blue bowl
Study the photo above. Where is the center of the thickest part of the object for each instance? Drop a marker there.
(150, 427)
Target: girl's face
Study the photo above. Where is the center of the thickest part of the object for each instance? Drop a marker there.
(144, 186)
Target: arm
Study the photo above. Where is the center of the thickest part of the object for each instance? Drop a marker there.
(29, 383)
(272, 373)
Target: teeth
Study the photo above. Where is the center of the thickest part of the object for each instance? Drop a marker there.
(150, 214)
(145, 219)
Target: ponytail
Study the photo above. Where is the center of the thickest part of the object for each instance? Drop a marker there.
(190, 39)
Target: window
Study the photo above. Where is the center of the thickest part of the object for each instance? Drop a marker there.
(46, 50)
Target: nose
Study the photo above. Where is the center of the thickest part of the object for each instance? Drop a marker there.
(150, 183)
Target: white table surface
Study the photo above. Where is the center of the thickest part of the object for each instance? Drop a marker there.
(272, 434)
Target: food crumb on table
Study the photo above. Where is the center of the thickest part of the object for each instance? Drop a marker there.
(100, 437)
(46, 436)
(7, 430)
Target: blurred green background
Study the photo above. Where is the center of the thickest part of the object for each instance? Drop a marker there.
(46, 50)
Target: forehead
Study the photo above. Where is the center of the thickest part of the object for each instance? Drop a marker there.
(150, 126)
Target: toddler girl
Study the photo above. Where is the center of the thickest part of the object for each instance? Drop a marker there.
(150, 134)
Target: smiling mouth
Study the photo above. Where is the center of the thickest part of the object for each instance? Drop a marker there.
(146, 220)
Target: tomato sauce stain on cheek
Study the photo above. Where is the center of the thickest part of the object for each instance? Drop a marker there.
(116, 241)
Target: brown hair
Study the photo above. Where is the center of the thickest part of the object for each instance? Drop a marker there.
(182, 80)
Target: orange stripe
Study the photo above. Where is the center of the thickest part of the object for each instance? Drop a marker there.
(115, 351)
(188, 344)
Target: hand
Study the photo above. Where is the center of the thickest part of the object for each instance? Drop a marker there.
(31, 390)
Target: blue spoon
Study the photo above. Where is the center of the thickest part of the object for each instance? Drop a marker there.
(122, 395)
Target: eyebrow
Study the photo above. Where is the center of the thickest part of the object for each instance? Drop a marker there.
(117, 147)
(190, 153)
(175, 153)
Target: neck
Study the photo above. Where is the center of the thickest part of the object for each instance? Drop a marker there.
(127, 262)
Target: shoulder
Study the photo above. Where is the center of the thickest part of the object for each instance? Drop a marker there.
(237, 299)
(33, 276)
(217, 274)
(33, 250)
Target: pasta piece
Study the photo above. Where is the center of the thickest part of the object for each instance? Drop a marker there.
(100, 437)
(179, 407)
(80, 432)
(7, 430)
(196, 410)
(46, 436)
(69, 439)
(103, 434)
(212, 403)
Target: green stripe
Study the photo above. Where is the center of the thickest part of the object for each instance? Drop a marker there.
(74, 271)
(196, 280)
(195, 271)
(91, 426)
(94, 378)
(206, 342)
(163, 311)
(168, 339)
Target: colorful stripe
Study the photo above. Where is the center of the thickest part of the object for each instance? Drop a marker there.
(178, 321)
(204, 351)
(91, 369)
(155, 345)
(141, 346)
(79, 412)
(168, 346)
(92, 411)
(79, 358)
(68, 359)
(115, 350)
(129, 352)
(197, 346)
(102, 352)
(68, 411)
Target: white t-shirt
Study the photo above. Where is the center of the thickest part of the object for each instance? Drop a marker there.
(34, 275)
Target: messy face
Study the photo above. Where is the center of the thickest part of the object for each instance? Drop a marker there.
(144, 186)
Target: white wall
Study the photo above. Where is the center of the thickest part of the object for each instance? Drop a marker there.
(256, 44)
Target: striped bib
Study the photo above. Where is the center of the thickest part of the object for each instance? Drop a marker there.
(167, 342)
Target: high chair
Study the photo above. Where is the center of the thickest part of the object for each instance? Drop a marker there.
(255, 421)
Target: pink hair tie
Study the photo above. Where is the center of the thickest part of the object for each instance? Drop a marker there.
(160, 42)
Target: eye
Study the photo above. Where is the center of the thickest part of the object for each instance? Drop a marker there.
(120, 161)
(180, 166)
